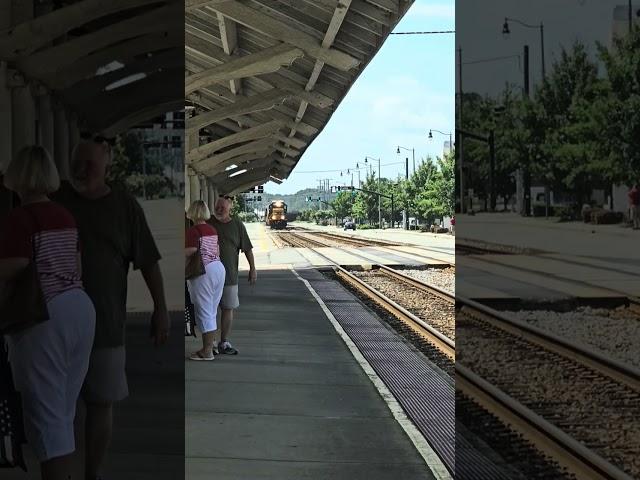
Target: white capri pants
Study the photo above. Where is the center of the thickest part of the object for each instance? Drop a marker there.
(49, 362)
(205, 292)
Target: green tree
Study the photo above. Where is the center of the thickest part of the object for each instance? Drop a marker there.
(343, 204)
(616, 118)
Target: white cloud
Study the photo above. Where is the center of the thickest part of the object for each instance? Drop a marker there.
(433, 10)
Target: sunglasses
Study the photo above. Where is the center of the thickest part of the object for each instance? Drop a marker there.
(100, 139)
(227, 197)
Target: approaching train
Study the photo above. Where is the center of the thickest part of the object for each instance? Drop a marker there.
(276, 214)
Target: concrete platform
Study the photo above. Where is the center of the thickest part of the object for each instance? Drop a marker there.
(294, 404)
(426, 249)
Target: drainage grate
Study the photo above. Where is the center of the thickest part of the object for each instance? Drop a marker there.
(422, 389)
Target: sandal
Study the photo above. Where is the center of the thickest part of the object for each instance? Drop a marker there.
(197, 356)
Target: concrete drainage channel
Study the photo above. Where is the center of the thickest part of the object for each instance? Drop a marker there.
(423, 389)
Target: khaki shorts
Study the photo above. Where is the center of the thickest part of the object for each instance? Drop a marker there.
(106, 380)
(229, 300)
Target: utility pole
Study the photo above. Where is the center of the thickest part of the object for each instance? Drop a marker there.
(379, 198)
(460, 149)
(406, 177)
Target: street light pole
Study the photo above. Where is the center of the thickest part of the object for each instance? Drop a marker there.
(460, 148)
(379, 198)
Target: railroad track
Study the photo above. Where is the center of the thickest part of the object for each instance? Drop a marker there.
(304, 241)
(508, 369)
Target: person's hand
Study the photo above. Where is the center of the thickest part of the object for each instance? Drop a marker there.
(253, 276)
(160, 326)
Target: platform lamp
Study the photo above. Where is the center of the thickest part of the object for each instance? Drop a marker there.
(413, 153)
(441, 133)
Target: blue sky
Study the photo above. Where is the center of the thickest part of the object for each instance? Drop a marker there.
(407, 89)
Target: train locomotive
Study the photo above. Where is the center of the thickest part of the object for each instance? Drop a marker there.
(276, 215)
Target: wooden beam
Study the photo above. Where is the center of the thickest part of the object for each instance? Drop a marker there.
(206, 48)
(269, 60)
(390, 6)
(334, 27)
(143, 115)
(278, 81)
(202, 98)
(27, 37)
(215, 161)
(124, 53)
(281, 31)
(57, 57)
(247, 157)
(190, 5)
(214, 169)
(243, 106)
(229, 38)
(250, 165)
(260, 131)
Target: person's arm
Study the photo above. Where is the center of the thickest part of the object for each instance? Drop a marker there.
(160, 316)
(253, 274)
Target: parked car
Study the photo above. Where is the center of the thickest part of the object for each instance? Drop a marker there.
(349, 225)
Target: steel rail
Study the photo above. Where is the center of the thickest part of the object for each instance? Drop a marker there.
(548, 438)
(575, 351)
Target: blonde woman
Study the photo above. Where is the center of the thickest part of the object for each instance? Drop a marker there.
(205, 291)
(49, 360)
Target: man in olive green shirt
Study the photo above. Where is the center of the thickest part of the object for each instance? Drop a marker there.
(114, 235)
(232, 238)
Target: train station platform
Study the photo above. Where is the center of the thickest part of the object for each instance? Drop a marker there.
(300, 401)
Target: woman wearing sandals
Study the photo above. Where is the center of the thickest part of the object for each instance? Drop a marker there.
(205, 290)
(50, 359)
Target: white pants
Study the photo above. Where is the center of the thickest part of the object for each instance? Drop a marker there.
(205, 292)
(49, 362)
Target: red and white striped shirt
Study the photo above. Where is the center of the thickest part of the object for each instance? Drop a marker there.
(49, 230)
(207, 237)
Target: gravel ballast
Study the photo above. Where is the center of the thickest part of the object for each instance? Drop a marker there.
(613, 332)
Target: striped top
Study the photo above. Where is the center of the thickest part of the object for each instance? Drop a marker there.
(48, 229)
(207, 237)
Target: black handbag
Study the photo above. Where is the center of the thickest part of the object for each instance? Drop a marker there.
(12, 435)
(23, 304)
(194, 266)
(189, 314)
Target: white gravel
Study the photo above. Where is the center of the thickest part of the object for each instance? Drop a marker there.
(615, 332)
(440, 277)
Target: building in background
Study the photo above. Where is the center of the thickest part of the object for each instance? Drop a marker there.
(163, 142)
(447, 148)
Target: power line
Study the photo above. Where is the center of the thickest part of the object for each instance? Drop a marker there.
(492, 59)
(423, 33)
(349, 168)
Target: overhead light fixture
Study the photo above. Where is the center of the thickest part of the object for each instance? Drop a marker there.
(240, 172)
(125, 81)
(275, 179)
(109, 67)
(231, 167)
